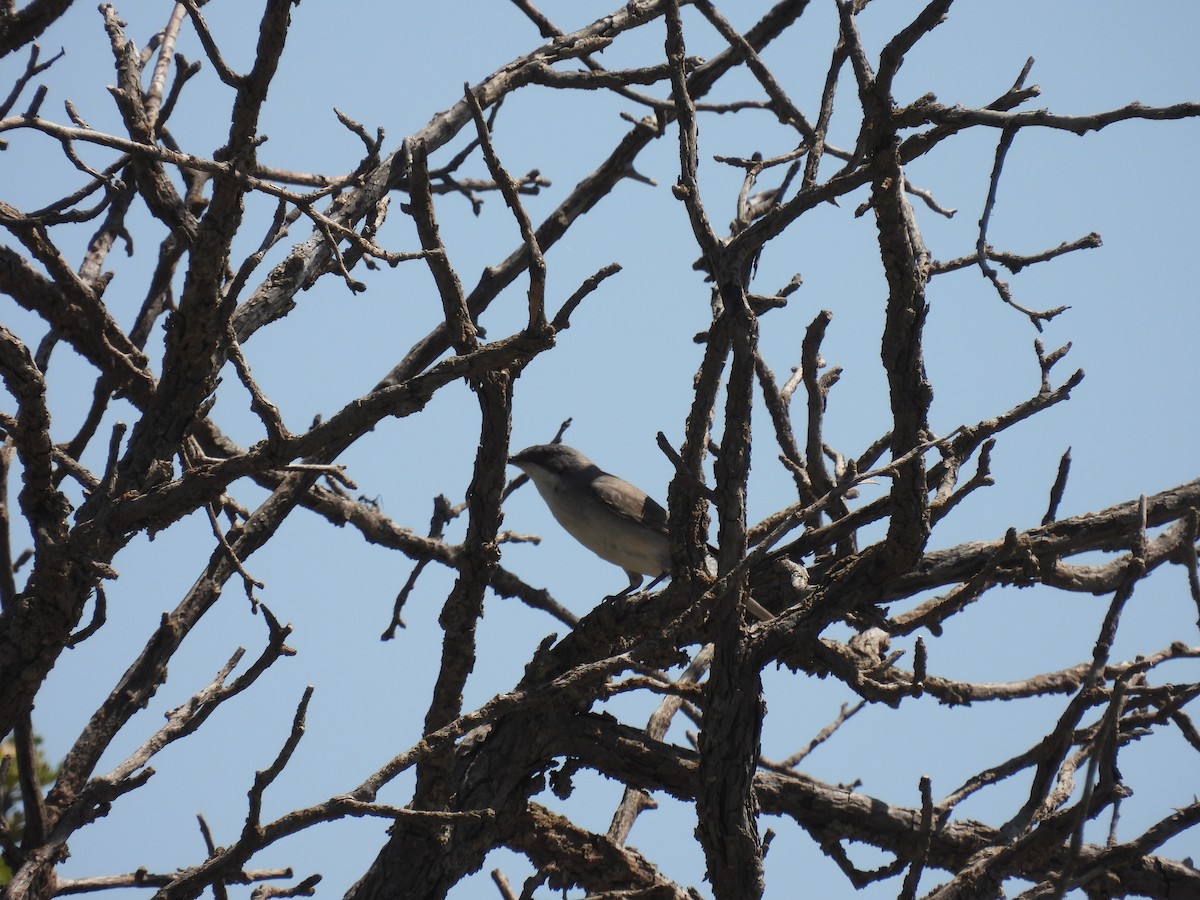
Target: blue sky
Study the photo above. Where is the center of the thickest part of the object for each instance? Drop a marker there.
(623, 372)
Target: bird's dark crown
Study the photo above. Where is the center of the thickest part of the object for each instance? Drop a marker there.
(553, 457)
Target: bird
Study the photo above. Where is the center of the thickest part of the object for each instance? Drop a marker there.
(616, 520)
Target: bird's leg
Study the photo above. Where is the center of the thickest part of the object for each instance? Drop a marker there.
(651, 585)
(635, 580)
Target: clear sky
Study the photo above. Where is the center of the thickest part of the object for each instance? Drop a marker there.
(623, 372)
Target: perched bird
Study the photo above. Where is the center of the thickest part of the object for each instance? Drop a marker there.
(614, 519)
(608, 515)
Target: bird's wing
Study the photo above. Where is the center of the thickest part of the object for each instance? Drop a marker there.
(615, 493)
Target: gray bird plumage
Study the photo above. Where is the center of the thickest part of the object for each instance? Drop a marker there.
(614, 519)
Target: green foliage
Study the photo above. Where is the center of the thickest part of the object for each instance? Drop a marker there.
(12, 807)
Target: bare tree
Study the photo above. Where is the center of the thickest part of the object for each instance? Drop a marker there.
(843, 574)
